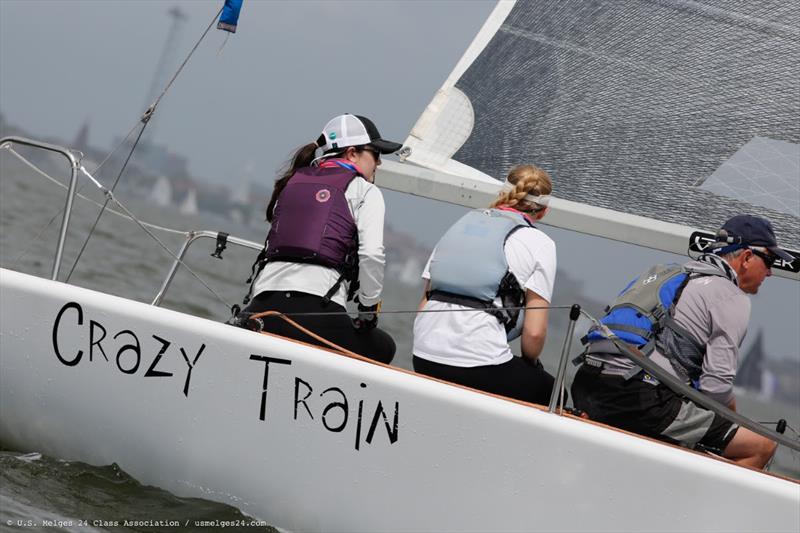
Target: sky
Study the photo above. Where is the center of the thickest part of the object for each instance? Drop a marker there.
(247, 100)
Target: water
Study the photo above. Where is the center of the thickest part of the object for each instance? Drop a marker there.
(123, 260)
(41, 492)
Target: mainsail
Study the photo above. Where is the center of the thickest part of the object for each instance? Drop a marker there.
(632, 107)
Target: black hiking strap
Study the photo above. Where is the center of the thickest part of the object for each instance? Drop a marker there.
(348, 273)
(255, 270)
(333, 290)
(475, 303)
(511, 295)
(458, 299)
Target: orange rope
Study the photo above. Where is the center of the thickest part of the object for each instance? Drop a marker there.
(343, 351)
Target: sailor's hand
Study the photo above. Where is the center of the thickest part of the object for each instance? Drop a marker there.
(367, 317)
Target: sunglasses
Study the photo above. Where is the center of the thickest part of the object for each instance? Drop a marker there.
(375, 153)
(768, 259)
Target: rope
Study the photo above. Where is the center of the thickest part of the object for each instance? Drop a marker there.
(144, 225)
(82, 197)
(38, 235)
(152, 109)
(127, 215)
(776, 422)
(117, 147)
(111, 198)
(145, 120)
(311, 334)
(420, 311)
(148, 114)
(103, 208)
(689, 393)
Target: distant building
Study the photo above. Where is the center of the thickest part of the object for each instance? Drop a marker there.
(770, 378)
(81, 141)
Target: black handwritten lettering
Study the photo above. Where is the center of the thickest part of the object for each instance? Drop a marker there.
(151, 371)
(333, 405)
(129, 357)
(77, 307)
(392, 431)
(135, 348)
(267, 360)
(191, 367)
(358, 420)
(297, 382)
(92, 342)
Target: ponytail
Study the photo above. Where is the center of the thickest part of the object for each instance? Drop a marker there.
(301, 158)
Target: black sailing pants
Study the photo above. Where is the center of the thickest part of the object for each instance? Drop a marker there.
(375, 344)
(519, 378)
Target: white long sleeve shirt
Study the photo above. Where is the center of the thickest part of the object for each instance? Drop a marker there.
(366, 205)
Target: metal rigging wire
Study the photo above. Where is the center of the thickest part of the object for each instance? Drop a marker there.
(145, 120)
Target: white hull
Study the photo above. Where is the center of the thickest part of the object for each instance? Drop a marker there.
(457, 459)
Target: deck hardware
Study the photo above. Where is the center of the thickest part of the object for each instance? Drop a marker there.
(222, 243)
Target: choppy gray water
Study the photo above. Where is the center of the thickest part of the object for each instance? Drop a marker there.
(37, 491)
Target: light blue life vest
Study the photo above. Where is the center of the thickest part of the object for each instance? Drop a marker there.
(469, 266)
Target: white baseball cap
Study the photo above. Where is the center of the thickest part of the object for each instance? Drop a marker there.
(353, 130)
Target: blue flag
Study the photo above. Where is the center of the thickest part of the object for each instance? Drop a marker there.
(230, 15)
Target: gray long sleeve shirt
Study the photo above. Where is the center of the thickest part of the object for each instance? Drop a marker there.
(716, 312)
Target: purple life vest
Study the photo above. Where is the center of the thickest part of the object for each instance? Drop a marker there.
(312, 222)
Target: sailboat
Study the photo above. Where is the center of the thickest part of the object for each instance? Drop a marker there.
(161, 193)
(188, 206)
(311, 439)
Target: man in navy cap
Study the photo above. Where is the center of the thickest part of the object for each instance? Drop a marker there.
(711, 317)
(752, 237)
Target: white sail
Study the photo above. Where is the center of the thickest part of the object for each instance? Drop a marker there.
(631, 107)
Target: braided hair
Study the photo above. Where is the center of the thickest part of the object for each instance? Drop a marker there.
(526, 179)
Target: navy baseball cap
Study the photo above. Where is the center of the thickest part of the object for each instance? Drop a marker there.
(749, 230)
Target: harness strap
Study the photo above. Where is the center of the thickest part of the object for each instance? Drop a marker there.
(632, 372)
(645, 333)
(333, 290)
(648, 348)
(474, 303)
(672, 324)
(255, 270)
(601, 346)
(466, 301)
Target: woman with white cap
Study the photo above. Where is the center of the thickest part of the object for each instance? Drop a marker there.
(325, 245)
(491, 259)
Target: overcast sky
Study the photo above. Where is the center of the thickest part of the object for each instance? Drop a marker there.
(249, 101)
